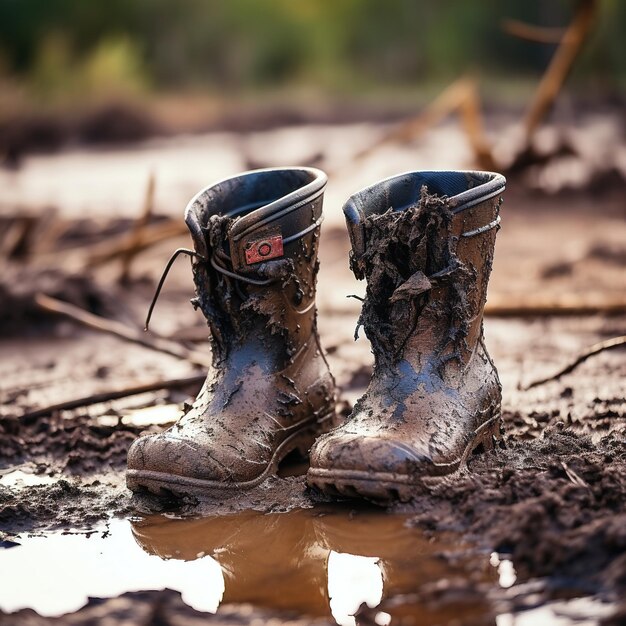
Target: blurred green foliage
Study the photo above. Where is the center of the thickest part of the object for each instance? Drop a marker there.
(93, 46)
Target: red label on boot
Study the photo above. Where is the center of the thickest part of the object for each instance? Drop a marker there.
(264, 249)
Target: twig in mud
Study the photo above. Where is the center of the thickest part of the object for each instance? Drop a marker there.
(13, 234)
(609, 344)
(121, 330)
(573, 476)
(87, 256)
(136, 235)
(116, 394)
(501, 306)
(546, 307)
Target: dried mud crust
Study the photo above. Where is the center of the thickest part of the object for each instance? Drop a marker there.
(73, 445)
(404, 249)
(66, 503)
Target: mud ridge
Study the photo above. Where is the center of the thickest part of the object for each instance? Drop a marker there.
(555, 505)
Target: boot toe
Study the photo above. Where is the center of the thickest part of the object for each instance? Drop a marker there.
(173, 457)
(338, 452)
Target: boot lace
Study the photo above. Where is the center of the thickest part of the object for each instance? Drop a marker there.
(215, 264)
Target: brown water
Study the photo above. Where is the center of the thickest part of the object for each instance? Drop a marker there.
(318, 562)
(321, 562)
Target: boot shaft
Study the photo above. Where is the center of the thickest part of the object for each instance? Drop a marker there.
(424, 241)
(257, 235)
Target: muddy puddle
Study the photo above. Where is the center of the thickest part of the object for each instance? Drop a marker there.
(328, 563)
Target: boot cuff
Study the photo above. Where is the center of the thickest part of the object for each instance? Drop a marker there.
(256, 197)
(462, 188)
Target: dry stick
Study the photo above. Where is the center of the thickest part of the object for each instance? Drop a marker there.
(48, 231)
(151, 235)
(609, 344)
(461, 95)
(530, 32)
(116, 394)
(120, 330)
(472, 121)
(136, 234)
(14, 235)
(560, 66)
(565, 305)
(501, 307)
(89, 255)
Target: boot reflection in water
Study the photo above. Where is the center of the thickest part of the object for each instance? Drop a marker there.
(424, 242)
(270, 391)
(266, 560)
(315, 562)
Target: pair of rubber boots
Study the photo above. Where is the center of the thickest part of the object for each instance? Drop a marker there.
(424, 242)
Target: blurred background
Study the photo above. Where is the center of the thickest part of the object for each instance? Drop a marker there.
(63, 53)
(192, 65)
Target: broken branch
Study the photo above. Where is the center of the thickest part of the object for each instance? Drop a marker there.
(530, 32)
(537, 306)
(136, 234)
(462, 95)
(562, 305)
(609, 344)
(151, 235)
(121, 331)
(560, 66)
(106, 396)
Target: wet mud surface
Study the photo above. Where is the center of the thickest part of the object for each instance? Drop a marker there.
(552, 504)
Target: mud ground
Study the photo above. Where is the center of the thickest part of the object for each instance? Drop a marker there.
(554, 500)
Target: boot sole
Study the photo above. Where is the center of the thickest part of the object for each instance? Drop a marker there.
(387, 487)
(165, 484)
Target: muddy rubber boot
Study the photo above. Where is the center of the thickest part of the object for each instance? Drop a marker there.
(424, 241)
(269, 392)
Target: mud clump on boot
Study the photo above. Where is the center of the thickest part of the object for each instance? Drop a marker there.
(404, 249)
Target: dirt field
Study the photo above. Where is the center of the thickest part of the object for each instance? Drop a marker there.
(552, 503)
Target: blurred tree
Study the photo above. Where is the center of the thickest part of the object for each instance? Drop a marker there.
(338, 44)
